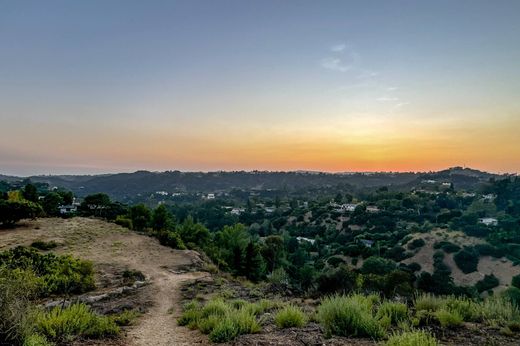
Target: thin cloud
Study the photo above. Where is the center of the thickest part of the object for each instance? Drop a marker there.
(337, 48)
(335, 64)
(387, 99)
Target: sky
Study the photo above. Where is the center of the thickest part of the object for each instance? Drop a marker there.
(110, 86)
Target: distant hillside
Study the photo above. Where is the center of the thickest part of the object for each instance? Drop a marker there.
(122, 186)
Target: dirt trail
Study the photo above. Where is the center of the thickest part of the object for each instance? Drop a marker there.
(110, 246)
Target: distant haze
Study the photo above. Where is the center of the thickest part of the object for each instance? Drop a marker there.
(110, 86)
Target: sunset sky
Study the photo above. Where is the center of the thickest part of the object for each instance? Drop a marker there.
(109, 86)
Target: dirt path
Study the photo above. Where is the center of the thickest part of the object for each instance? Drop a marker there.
(112, 247)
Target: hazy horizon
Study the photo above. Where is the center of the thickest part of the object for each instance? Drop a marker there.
(97, 86)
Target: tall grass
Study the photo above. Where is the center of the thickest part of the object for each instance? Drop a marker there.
(411, 338)
(290, 316)
(77, 320)
(223, 321)
(349, 316)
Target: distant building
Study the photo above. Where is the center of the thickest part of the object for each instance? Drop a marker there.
(468, 194)
(489, 197)
(488, 221)
(269, 209)
(210, 196)
(366, 242)
(429, 181)
(162, 193)
(348, 207)
(237, 211)
(68, 209)
(372, 209)
(300, 239)
(446, 183)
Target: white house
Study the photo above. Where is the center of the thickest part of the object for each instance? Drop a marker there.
(350, 207)
(372, 209)
(68, 209)
(210, 196)
(488, 221)
(237, 211)
(300, 239)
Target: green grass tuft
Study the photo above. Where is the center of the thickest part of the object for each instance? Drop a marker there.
(290, 316)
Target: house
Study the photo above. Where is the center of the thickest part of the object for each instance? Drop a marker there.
(210, 196)
(366, 242)
(161, 193)
(67, 209)
(429, 181)
(488, 197)
(468, 194)
(269, 209)
(300, 239)
(488, 221)
(237, 211)
(350, 207)
(372, 209)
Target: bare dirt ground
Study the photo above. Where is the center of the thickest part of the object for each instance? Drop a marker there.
(112, 248)
(502, 268)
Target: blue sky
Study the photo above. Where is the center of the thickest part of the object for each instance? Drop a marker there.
(97, 86)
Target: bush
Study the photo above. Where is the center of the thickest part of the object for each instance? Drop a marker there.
(37, 340)
(446, 246)
(412, 338)
(349, 316)
(427, 302)
(224, 331)
(123, 221)
(498, 310)
(221, 320)
(393, 312)
(126, 318)
(448, 319)
(487, 283)
(43, 245)
(515, 281)
(415, 244)
(377, 265)
(74, 321)
(467, 260)
(56, 274)
(17, 288)
(290, 316)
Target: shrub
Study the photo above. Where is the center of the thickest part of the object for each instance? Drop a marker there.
(43, 245)
(349, 316)
(216, 307)
(513, 295)
(416, 243)
(498, 310)
(76, 320)
(377, 265)
(448, 319)
(17, 287)
(515, 281)
(446, 246)
(245, 321)
(412, 338)
(290, 316)
(37, 340)
(469, 310)
(394, 312)
(123, 221)
(466, 260)
(126, 318)
(487, 283)
(57, 274)
(224, 331)
(427, 302)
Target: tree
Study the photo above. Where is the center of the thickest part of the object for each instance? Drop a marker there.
(30, 193)
(254, 265)
(161, 218)
(68, 196)
(13, 211)
(95, 204)
(193, 233)
(51, 203)
(338, 198)
(377, 265)
(273, 251)
(140, 216)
